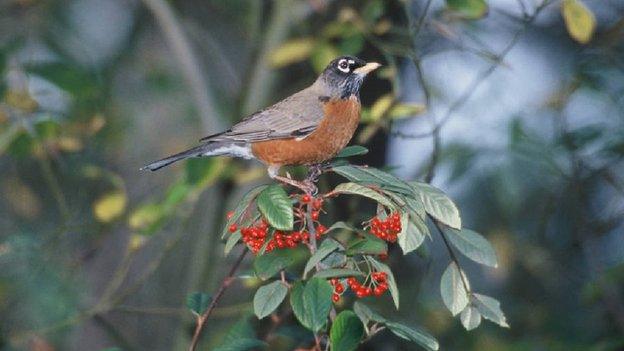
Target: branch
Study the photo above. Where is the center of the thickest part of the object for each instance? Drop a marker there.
(227, 281)
(452, 255)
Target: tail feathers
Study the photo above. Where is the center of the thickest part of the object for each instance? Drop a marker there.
(207, 149)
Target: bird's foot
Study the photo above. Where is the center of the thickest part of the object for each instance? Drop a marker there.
(306, 186)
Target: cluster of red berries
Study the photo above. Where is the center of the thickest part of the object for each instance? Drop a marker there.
(387, 229)
(377, 286)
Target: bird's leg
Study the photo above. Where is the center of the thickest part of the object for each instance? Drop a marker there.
(304, 186)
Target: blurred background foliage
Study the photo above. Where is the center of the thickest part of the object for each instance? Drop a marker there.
(513, 106)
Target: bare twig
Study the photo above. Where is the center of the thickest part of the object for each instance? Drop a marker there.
(227, 281)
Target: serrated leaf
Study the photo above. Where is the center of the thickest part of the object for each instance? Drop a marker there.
(370, 175)
(366, 314)
(353, 150)
(338, 273)
(268, 298)
(415, 335)
(490, 309)
(327, 247)
(579, 20)
(198, 302)
(470, 317)
(232, 241)
(454, 294)
(296, 302)
(110, 206)
(400, 111)
(413, 233)
(276, 207)
(394, 290)
(438, 204)
(473, 245)
(269, 264)
(292, 51)
(241, 207)
(346, 332)
(356, 189)
(469, 9)
(317, 302)
(370, 245)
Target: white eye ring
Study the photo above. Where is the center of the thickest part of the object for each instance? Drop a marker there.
(343, 65)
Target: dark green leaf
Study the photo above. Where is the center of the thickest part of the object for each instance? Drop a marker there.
(346, 332)
(356, 189)
(473, 245)
(241, 337)
(200, 171)
(317, 302)
(296, 302)
(197, 302)
(327, 247)
(366, 314)
(232, 241)
(369, 245)
(338, 273)
(269, 264)
(369, 175)
(276, 207)
(354, 150)
(415, 335)
(452, 289)
(268, 298)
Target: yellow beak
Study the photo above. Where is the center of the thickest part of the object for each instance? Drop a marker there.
(367, 68)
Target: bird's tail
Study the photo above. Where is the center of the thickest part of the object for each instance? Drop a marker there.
(207, 149)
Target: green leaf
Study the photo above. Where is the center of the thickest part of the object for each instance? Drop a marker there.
(346, 332)
(394, 290)
(232, 241)
(490, 309)
(240, 337)
(470, 317)
(327, 246)
(473, 245)
(338, 273)
(269, 264)
(415, 335)
(370, 245)
(438, 205)
(317, 302)
(366, 314)
(452, 289)
(370, 175)
(414, 231)
(296, 302)
(353, 150)
(241, 207)
(276, 207)
(469, 9)
(198, 302)
(202, 171)
(356, 189)
(579, 20)
(268, 298)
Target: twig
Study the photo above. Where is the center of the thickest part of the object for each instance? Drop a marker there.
(452, 255)
(227, 281)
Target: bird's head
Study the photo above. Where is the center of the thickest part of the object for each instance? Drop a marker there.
(343, 76)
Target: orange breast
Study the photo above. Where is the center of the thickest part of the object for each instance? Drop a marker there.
(332, 135)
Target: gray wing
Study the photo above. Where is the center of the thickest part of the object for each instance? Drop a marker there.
(294, 117)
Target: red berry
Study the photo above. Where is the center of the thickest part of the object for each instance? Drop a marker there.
(351, 281)
(339, 288)
(317, 204)
(335, 297)
(378, 291)
(229, 215)
(333, 281)
(360, 293)
(306, 198)
(315, 215)
(383, 256)
(233, 228)
(321, 229)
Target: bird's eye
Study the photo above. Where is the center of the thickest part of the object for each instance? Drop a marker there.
(343, 65)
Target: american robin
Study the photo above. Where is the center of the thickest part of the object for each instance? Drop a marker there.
(306, 128)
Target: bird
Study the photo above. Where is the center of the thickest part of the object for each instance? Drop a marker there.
(309, 127)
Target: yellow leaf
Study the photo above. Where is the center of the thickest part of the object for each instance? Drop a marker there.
(21, 100)
(136, 242)
(69, 144)
(381, 106)
(292, 51)
(406, 110)
(579, 20)
(110, 206)
(144, 216)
